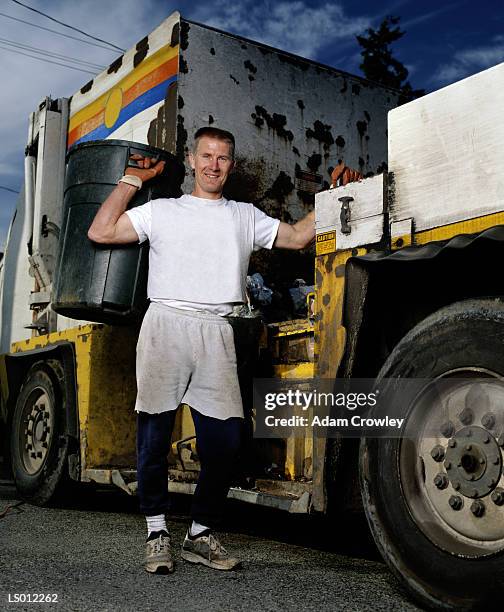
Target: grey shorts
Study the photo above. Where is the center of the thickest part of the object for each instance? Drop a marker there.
(187, 357)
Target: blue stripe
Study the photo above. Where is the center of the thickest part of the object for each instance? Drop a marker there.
(146, 100)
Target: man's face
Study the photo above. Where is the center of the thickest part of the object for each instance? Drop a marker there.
(212, 164)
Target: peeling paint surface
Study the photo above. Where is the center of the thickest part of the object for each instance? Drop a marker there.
(293, 117)
(291, 101)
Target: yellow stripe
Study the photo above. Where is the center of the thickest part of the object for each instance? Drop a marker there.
(148, 65)
(469, 226)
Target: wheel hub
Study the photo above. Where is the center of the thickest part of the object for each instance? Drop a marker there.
(453, 445)
(36, 437)
(473, 462)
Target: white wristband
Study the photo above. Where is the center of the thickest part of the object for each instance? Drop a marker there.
(131, 179)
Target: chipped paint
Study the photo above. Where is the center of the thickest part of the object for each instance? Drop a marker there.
(250, 66)
(142, 48)
(184, 34)
(87, 87)
(282, 186)
(181, 147)
(361, 128)
(161, 133)
(175, 35)
(275, 122)
(183, 69)
(114, 66)
(314, 162)
(322, 133)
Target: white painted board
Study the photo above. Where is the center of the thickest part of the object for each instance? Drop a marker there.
(366, 212)
(446, 152)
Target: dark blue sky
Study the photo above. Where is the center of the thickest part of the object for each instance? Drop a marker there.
(444, 42)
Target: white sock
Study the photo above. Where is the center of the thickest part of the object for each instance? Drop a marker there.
(156, 523)
(197, 528)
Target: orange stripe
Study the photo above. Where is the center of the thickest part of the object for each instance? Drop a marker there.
(150, 80)
(86, 126)
(158, 75)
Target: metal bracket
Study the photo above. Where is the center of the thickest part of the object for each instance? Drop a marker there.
(345, 214)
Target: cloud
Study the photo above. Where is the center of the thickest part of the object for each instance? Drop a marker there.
(25, 81)
(469, 61)
(428, 16)
(288, 25)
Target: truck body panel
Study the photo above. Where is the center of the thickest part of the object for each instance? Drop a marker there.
(445, 151)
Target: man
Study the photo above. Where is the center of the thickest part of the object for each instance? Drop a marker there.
(200, 245)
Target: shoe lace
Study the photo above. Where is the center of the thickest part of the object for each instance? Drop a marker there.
(215, 545)
(161, 544)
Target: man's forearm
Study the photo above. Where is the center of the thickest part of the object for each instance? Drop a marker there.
(103, 225)
(296, 236)
(305, 229)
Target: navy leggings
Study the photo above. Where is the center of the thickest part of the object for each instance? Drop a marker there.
(218, 444)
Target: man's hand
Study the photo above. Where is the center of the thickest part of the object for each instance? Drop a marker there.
(148, 167)
(345, 175)
(111, 225)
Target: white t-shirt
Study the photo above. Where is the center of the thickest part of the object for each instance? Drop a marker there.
(200, 249)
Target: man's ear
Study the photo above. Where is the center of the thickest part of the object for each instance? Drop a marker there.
(190, 157)
(233, 166)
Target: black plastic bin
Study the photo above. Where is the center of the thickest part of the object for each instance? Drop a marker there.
(95, 282)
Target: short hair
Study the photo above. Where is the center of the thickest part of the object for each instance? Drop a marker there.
(214, 132)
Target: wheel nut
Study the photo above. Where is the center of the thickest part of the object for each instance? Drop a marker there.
(438, 453)
(441, 481)
(447, 429)
(466, 416)
(488, 420)
(478, 508)
(498, 497)
(456, 502)
(500, 441)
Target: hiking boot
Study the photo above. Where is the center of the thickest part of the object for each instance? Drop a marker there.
(158, 555)
(206, 549)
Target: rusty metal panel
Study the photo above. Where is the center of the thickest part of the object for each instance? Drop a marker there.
(293, 120)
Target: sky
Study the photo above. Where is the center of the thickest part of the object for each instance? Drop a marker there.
(444, 42)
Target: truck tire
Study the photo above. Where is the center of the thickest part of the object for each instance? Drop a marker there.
(38, 444)
(444, 540)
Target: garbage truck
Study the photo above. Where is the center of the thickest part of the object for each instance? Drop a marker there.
(406, 285)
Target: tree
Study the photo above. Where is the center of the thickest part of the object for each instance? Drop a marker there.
(379, 65)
